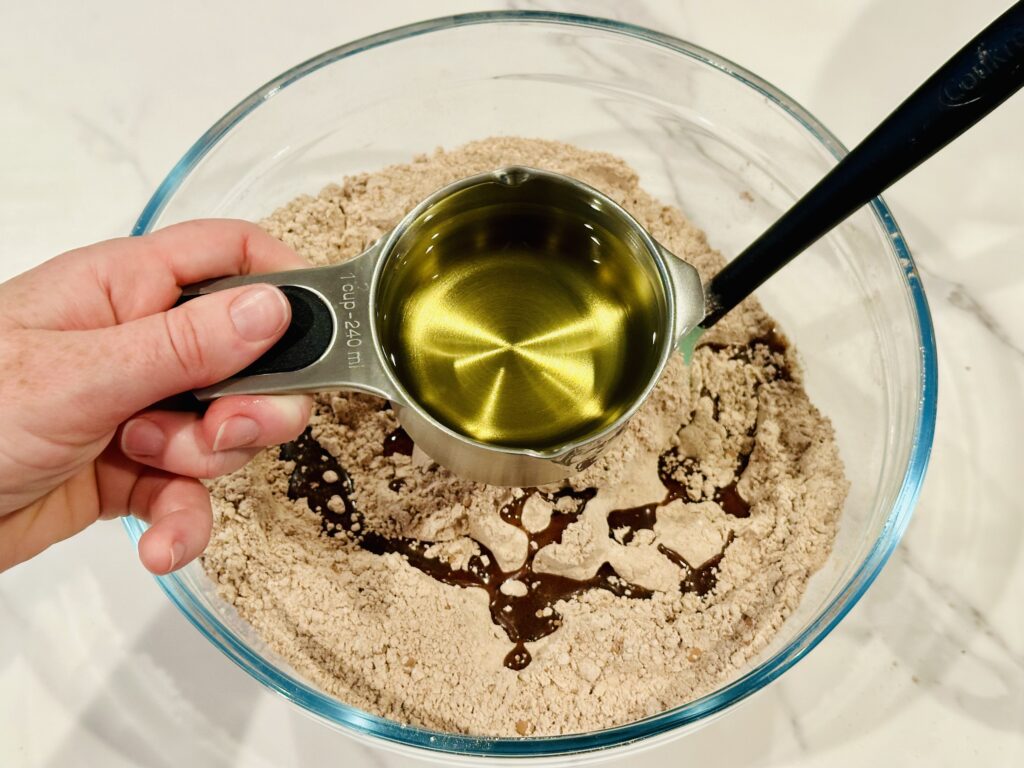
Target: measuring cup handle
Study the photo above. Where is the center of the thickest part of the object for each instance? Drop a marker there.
(329, 343)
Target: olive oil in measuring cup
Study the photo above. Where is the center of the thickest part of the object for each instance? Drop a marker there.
(519, 323)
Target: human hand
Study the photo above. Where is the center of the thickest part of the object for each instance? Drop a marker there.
(89, 342)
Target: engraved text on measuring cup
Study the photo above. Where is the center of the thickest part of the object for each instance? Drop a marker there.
(350, 328)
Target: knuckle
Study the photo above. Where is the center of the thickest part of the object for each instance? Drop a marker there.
(214, 465)
(185, 342)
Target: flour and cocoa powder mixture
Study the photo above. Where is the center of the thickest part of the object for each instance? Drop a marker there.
(643, 582)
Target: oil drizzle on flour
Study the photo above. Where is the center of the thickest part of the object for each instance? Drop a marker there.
(327, 489)
(524, 618)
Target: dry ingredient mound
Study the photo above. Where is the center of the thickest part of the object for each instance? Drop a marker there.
(374, 572)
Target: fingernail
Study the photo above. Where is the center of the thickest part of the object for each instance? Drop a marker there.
(141, 437)
(259, 313)
(236, 432)
(177, 551)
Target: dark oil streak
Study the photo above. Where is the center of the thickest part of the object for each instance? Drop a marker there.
(524, 619)
(398, 441)
(532, 616)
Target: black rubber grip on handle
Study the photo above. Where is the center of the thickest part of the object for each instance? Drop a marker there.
(980, 77)
(304, 342)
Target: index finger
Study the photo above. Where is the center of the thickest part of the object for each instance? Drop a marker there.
(206, 248)
(132, 277)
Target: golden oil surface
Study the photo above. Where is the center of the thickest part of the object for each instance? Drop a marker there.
(520, 325)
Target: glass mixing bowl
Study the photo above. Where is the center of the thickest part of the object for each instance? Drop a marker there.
(732, 151)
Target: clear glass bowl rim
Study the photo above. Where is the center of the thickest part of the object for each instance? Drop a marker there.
(366, 724)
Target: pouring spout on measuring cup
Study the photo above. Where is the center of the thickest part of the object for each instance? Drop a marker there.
(690, 301)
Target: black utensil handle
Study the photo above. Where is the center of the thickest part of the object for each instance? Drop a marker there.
(304, 342)
(980, 77)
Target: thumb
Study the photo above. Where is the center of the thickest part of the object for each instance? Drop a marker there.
(194, 345)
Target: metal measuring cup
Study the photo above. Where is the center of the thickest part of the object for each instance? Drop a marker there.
(333, 342)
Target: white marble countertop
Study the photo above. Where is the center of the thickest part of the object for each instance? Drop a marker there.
(98, 669)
